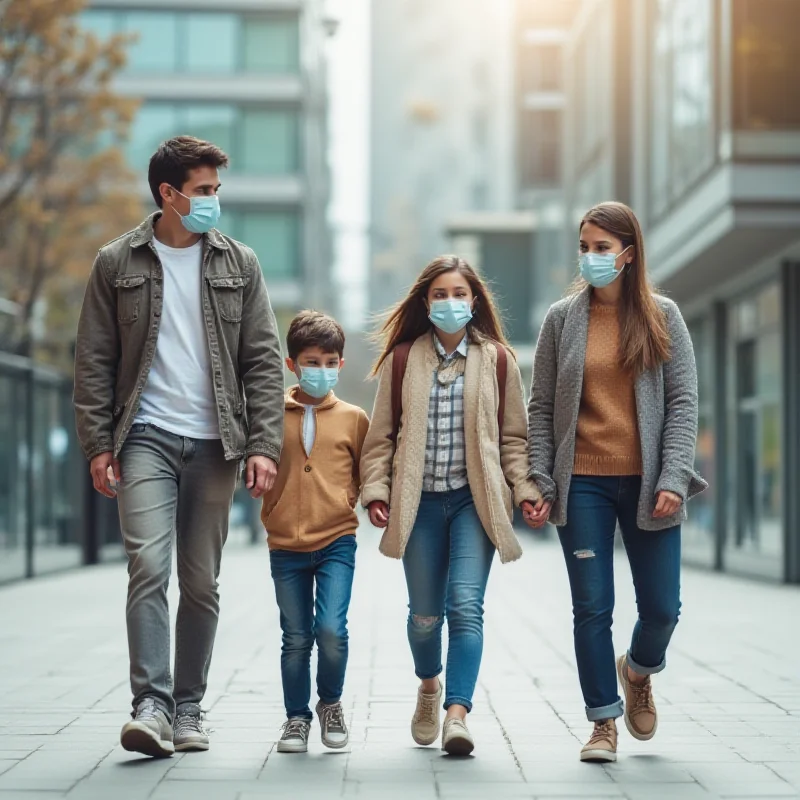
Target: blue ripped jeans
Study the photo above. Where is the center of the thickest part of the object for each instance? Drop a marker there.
(447, 563)
(594, 506)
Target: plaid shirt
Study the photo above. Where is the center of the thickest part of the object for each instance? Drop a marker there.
(445, 453)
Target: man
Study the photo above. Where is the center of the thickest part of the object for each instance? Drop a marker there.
(178, 377)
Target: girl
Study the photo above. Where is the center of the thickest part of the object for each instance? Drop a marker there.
(436, 470)
(618, 447)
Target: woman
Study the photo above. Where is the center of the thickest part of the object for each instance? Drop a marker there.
(617, 447)
(436, 472)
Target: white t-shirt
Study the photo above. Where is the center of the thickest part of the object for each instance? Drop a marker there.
(309, 429)
(179, 394)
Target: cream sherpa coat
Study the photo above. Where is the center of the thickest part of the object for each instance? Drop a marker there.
(394, 475)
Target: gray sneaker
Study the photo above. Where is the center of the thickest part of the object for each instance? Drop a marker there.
(334, 728)
(149, 732)
(294, 738)
(189, 731)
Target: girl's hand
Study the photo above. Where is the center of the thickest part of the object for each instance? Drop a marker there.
(535, 515)
(378, 513)
(667, 504)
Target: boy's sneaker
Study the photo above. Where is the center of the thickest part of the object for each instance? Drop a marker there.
(602, 746)
(334, 728)
(189, 733)
(425, 725)
(294, 738)
(641, 718)
(149, 732)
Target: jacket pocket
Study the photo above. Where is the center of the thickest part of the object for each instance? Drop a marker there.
(227, 292)
(130, 294)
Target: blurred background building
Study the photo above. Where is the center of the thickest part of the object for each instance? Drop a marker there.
(492, 128)
(250, 76)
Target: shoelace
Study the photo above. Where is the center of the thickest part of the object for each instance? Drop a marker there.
(427, 706)
(603, 732)
(642, 697)
(295, 727)
(188, 723)
(333, 717)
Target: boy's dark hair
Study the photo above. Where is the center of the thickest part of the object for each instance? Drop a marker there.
(314, 329)
(175, 157)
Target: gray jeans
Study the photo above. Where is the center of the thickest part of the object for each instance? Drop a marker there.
(173, 485)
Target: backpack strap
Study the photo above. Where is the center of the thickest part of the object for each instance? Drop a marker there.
(399, 364)
(502, 375)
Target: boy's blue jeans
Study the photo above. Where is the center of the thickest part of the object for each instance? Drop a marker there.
(306, 619)
(447, 563)
(593, 508)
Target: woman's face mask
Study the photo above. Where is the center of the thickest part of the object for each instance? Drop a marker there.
(599, 269)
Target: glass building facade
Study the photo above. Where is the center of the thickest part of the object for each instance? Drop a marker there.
(261, 101)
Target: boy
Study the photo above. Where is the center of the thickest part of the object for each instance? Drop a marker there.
(311, 524)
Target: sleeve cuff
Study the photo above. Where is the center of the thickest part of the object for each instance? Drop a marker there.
(97, 449)
(527, 490)
(375, 493)
(545, 484)
(263, 449)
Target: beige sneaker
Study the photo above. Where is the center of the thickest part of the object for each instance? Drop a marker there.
(602, 746)
(425, 724)
(641, 718)
(456, 738)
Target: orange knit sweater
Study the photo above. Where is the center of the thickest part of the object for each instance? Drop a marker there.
(607, 437)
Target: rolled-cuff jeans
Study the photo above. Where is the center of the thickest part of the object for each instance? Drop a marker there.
(594, 507)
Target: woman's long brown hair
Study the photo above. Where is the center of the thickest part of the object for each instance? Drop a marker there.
(644, 338)
(408, 320)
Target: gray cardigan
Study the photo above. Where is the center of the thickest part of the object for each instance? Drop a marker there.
(666, 406)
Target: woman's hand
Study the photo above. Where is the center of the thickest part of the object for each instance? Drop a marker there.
(378, 513)
(667, 504)
(535, 515)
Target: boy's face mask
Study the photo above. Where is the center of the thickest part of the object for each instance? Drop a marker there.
(317, 382)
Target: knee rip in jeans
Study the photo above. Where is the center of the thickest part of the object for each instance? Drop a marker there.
(424, 623)
(580, 554)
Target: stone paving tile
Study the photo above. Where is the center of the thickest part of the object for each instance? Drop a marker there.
(729, 703)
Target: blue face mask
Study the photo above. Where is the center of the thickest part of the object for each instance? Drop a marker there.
(450, 316)
(599, 269)
(204, 213)
(318, 381)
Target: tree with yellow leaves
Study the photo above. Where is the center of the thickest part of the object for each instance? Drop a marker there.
(62, 194)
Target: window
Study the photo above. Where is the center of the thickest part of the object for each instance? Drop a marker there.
(153, 124)
(271, 45)
(681, 111)
(203, 43)
(766, 70)
(259, 141)
(541, 148)
(274, 235)
(541, 68)
(155, 48)
(270, 141)
(210, 43)
(757, 541)
(699, 535)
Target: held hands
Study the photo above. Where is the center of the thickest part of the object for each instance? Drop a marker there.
(261, 474)
(667, 504)
(378, 513)
(106, 474)
(535, 515)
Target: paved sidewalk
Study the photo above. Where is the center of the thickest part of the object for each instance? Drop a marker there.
(729, 703)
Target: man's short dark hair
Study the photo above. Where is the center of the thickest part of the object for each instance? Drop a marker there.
(314, 329)
(175, 157)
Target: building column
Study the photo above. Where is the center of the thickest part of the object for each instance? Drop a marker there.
(790, 292)
(719, 352)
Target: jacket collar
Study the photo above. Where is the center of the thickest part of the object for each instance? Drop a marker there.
(292, 404)
(145, 233)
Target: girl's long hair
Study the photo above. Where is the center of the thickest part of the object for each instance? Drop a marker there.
(408, 320)
(644, 338)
